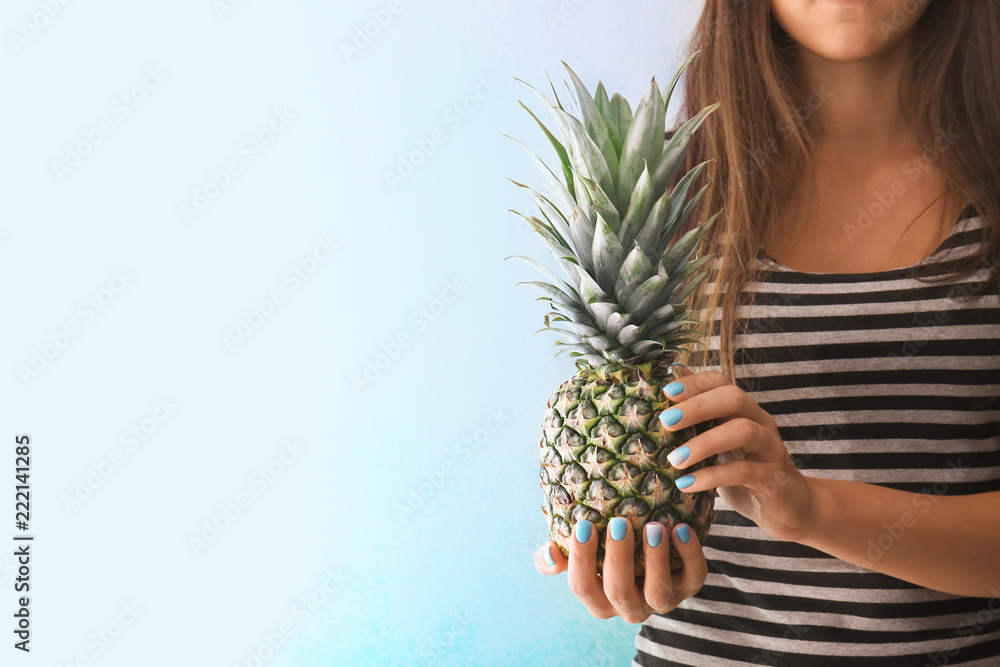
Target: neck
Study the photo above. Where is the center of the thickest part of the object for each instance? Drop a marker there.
(859, 116)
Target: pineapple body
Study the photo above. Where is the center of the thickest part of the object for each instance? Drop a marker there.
(603, 454)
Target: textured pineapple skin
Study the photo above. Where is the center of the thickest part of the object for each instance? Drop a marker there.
(603, 453)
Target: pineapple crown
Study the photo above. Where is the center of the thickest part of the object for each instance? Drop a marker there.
(610, 225)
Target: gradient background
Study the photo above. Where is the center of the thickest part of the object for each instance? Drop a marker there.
(319, 561)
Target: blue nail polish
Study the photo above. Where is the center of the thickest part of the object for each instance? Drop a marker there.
(672, 370)
(674, 388)
(583, 531)
(679, 455)
(671, 416)
(683, 534)
(548, 556)
(618, 527)
(684, 482)
(654, 533)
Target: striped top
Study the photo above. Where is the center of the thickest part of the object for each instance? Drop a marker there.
(873, 377)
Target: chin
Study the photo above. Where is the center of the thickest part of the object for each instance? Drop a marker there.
(848, 30)
(848, 45)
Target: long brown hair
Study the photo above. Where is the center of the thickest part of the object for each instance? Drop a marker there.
(760, 140)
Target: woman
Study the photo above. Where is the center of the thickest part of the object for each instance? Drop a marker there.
(854, 374)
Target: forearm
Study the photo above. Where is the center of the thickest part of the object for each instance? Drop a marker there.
(946, 543)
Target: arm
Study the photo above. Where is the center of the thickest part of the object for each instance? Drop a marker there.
(947, 543)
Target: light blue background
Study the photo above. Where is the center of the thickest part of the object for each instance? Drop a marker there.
(324, 527)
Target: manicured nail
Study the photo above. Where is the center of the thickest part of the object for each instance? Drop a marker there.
(671, 416)
(654, 533)
(679, 455)
(583, 531)
(674, 388)
(548, 556)
(618, 527)
(670, 368)
(684, 482)
(683, 534)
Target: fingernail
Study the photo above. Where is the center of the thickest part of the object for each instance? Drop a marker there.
(654, 533)
(671, 416)
(684, 482)
(679, 455)
(548, 556)
(683, 534)
(618, 527)
(670, 368)
(583, 531)
(674, 388)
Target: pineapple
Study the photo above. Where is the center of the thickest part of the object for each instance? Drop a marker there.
(609, 224)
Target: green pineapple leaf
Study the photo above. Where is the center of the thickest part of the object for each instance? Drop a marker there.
(608, 254)
(640, 203)
(678, 255)
(677, 148)
(585, 156)
(600, 202)
(594, 121)
(557, 222)
(559, 148)
(601, 101)
(618, 118)
(668, 91)
(675, 206)
(636, 268)
(565, 197)
(644, 141)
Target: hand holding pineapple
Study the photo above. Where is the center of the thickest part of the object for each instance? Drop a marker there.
(753, 474)
(617, 592)
(752, 469)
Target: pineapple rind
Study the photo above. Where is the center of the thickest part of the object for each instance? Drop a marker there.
(603, 453)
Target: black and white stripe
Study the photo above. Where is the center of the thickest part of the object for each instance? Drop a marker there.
(873, 377)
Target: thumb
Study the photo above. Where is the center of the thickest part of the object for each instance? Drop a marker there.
(550, 553)
(679, 370)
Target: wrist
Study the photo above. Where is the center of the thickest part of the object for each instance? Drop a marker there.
(821, 508)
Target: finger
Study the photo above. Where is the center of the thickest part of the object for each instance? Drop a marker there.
(723, 403)
(658, 586)
(582, 571)
(550, 559)
(680, 370)
(740, 433)
(619, 572)
(741, 472)
(687, 383)
(690, 578)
